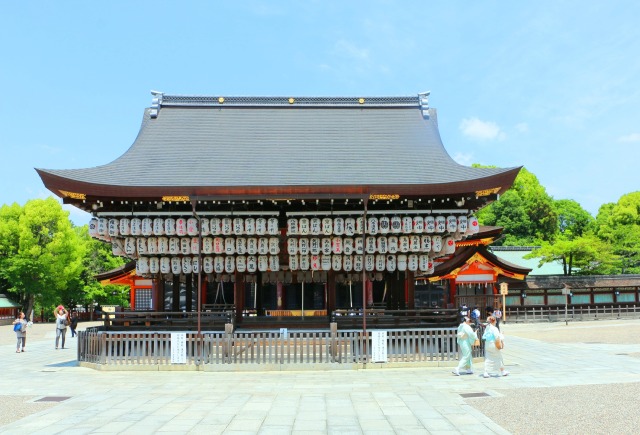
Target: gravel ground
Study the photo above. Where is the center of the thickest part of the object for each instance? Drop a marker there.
(13, 408)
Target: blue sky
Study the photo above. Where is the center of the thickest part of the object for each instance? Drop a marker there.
(550, 85)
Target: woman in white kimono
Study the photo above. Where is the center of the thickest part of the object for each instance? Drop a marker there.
(466, 336)
(492, 354)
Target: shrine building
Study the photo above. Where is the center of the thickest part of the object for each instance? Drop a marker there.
(284, 206)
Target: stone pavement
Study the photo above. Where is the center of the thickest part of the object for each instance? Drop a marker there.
(580, 378)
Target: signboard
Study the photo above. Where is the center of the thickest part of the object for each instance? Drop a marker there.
(379, 346)
(178, 348)
(504, 289)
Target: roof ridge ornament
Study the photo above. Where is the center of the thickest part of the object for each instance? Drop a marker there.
(156, 103)
(423, 98)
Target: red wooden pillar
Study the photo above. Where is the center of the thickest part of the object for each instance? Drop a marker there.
(452, 291)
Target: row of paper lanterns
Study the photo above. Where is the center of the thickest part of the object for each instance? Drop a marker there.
(263, 263)
(107, 228)
(135, 246)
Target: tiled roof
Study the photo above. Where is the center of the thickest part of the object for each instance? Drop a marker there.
(267, 141)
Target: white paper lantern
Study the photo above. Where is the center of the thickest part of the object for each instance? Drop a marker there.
(429, 224)
(170, 228)
(371, 245)
(303, 226)
(396, 224)
(452, 224)
(336, 245)
(263, 246)
(207, 245)
(372, 225)
(349, 226)
(369, 262)
(272, 226)
(195, 264)
(229, 264)
(449, 245)
(158, 229)
(274, 263)
(229, 246)
(274, 245)
(412, 262)
(117, 247)
(252, 246)
(347, 263)
(338, 226)
(303, 246)
(358, 245)
(130, 246)
(241, 245)
(304, 262)
(414, 243)
(425, 243)
(473, 225)
(293, 262)
(423, 262)
(113, 228)
(241, 263)
(142, 266)
(261, 226)
(185, 246)
(403, 244)
(218, 245)
(359, 225)
(325, 245)
(418, 224)
(205, 227)
(315, 226)
(292, 246)
(250, 226)
(392, 242)
(325, 262)
(154, 265)
(165, 265)
(181, 228)
(380, 262)
(462, 224)
(192, 226)
(103, 226)
(207, 264)
(152, 245)
(176, 265)
(195, 245)
(215, 225)
(358, 263)
(218, 264)
(441, 224)
(391, 263)
(327, 226)
(141, 246)
(336, 263)
(314, 246)
(227, 226)
(402, 262)
(436, 243)
(347, 245)
(174, 245)
(384, 225)
(146, 227)
(407, 224)
(263, 263)
(383, 245)
(252, 263)
(93, 228)
(238, 226)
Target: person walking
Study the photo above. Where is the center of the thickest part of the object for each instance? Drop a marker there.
(466, 337)
(20, 327)
(493, 344)
(73, 323)
(61, 324)
(498, 315)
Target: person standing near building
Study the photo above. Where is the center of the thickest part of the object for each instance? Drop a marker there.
(498, 315)
(466, 337)
(493, 344)
(73, 323)
(61, 324)
(20, 327)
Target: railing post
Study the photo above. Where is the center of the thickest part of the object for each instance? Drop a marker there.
(227, 343)
(333, 329)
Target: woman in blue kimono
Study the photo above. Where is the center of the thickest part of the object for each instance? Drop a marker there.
(466, 336)
(492, 354)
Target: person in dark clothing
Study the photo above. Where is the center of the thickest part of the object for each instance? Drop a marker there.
(73, 323)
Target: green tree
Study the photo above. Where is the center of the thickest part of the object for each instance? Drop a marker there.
(573, 220)
(619, 225)
(40, 253)
(526, 212)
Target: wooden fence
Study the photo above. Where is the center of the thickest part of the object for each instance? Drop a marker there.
(574, 312)
(293, 349)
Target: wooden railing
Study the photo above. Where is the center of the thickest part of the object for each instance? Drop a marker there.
(167, 320)
(268, 348)
(382, 318)
(574, 312)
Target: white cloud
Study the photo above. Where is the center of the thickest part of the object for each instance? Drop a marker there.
(481, 130)
(465, 159)
(633, 137)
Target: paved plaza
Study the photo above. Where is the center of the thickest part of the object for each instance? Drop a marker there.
(580, 378)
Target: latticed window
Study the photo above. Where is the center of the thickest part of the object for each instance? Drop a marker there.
(143, 299)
